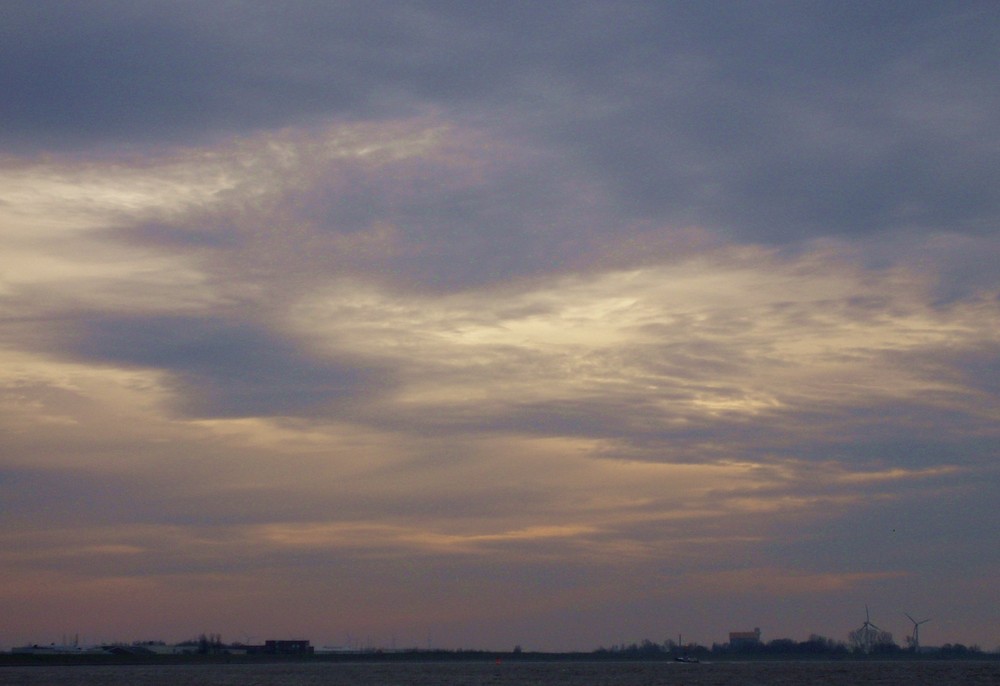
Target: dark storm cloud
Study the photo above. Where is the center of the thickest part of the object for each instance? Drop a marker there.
(222, 368)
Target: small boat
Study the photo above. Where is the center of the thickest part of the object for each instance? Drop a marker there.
(684, 657)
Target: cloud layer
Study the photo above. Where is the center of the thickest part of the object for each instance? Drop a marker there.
(557, 325)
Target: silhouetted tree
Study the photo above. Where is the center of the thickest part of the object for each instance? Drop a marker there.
(782, 645)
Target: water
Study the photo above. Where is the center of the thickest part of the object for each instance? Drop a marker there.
(944, 673)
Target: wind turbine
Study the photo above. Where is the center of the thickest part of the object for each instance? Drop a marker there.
(867, 632)
(915, 639)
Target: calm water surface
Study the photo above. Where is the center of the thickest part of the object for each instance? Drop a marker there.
(951, 673)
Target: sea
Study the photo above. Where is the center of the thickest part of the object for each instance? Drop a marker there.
(515, 673)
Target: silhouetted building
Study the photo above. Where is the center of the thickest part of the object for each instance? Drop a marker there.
(742, 640)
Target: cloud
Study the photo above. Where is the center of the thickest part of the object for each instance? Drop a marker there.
(223, 369)
(474, 310)
(686, 115)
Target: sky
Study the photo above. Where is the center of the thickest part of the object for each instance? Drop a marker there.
(474, 325)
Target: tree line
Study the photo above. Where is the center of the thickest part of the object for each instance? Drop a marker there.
(815, 645)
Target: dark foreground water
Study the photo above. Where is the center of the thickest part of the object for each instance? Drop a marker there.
(949, 673)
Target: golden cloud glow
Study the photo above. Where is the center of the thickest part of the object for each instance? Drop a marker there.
(785, 335)
(897, 474)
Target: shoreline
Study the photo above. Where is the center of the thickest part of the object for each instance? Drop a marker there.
(17, 660)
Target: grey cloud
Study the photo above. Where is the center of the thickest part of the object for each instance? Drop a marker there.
(567, 136)
(803, 125)
(138, 72)
(764, 122)
(76, 497)
(920, 522)
(148, 71)
(451, 221)
(656, 418)
(974, 368)
(223, 368)
(178, 237)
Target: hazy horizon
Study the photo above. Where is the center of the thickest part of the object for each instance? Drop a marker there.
(555, 324)
(354, 643)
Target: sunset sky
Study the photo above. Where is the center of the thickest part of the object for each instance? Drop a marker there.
(474, 324)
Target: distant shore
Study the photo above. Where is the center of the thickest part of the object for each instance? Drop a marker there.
(9, 659)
